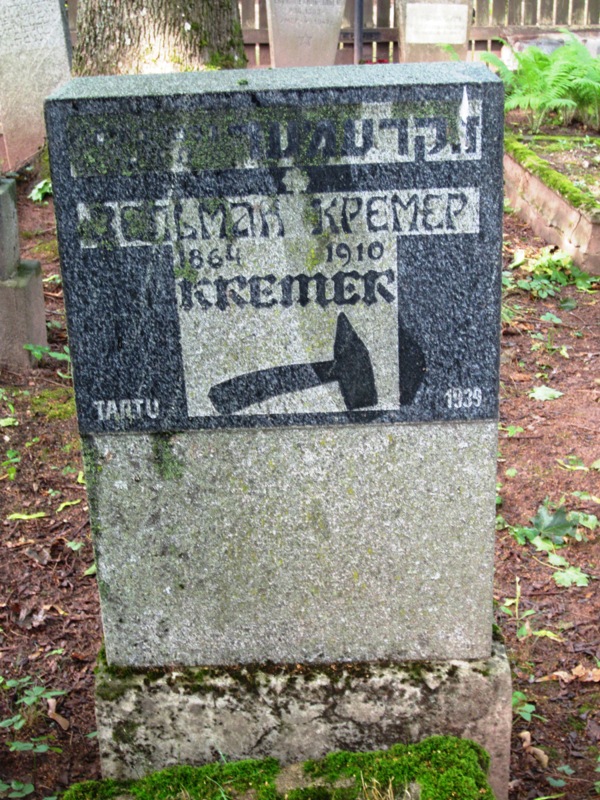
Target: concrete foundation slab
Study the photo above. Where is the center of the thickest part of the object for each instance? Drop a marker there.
(148, 720)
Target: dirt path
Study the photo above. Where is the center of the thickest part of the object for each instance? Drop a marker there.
(49, 614)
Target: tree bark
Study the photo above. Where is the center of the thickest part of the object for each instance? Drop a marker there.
(116, 37)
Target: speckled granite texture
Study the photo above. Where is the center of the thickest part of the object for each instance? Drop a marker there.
(308, 545)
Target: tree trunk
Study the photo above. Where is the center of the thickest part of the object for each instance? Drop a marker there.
(117, 37)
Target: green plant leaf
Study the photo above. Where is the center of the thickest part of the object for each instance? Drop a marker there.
(566, 769)
(8, 422)
(40, 191)
(557, 561)
(568, 304)
(573, 576)
(548, 635)
(542, 545)
(572, 463)
(589, 521)
(554, 527)
(544, 393)
(91, 570)
(549, 317)
(67, 504)
(37, 515)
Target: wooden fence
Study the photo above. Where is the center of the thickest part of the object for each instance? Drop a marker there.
(493, 20)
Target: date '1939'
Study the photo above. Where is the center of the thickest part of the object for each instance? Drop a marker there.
(464, 398)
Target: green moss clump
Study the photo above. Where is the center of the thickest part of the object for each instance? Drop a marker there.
(168, 466)
(444, 767)
(54, 403)
(578, 198)
(47, 250)
(44, 164)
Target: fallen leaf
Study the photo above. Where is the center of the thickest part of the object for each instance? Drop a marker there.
(525, 737)
(53, 714)
(592, 730)
(539, 755)
(519, 376)
(544, 393)
(41, 556)
(38, 618)
(78, 656)
(559, 675)
(19, 543)
(586, 675)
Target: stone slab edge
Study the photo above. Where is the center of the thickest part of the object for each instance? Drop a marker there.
(249, 81)
(551, 217)
(148, 720)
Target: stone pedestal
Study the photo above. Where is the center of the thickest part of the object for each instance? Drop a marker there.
(22, 313)
(148, 720)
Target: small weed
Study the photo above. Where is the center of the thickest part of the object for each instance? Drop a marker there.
(11, 459)
(552, 531)
(512, 608)
(29, 697)
(523, 708)
(546, 275)
(41, 191)
(510, 430)
(17, 789)
(10, 420)
(39, 351)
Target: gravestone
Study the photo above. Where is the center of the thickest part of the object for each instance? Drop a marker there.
(22, 312)
(35, 60)
(283, 298)
(426, 26)
(304, 33)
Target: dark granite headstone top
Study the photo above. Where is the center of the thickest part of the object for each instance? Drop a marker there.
(297, 247)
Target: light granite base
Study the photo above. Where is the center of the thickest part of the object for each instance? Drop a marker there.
(303, 545)
(151, 720)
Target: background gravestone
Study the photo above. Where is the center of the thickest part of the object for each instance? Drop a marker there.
(22, 312)
(425, 27)
(283, 296)
(304, 33)
(34, 60)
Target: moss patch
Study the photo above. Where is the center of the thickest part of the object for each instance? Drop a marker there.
(443, 766)
(54, 403)
(576, 197)
(47, 250)
(168, 466)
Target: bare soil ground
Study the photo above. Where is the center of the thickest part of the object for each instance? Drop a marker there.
(50, 625)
